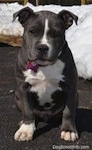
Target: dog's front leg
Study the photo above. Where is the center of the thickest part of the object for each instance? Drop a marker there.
(68, 128)
(27, 127)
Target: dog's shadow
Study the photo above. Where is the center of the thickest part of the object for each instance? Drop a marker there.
(84, 120)
(83, 123)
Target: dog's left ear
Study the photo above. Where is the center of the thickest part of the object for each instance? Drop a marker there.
(23, 15)
(67, 17)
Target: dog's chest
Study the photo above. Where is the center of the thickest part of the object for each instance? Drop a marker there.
(45, 81)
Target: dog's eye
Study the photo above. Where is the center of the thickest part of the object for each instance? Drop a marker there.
(32, 31)
(56, 33)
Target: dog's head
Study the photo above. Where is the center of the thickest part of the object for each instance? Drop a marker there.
(44, 33)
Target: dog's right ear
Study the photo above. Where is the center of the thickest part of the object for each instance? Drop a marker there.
(67, 18)
(23, 15)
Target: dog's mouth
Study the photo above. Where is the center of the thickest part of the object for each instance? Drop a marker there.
(43, 62)
(32, 65)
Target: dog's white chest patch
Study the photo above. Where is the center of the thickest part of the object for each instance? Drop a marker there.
(45, 81)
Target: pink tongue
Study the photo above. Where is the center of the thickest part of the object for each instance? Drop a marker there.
(32, 65)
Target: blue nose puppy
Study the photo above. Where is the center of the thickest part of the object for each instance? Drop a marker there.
(45, 72)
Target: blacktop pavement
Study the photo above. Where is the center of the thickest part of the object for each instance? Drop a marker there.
(47, 136)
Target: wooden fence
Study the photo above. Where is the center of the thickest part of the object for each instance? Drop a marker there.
(58, 2)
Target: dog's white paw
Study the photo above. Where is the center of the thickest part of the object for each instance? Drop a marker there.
(69, 136)
(25, 132)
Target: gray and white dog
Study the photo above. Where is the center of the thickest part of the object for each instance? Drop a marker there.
(45, 72)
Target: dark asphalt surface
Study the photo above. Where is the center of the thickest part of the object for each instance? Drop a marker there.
(47, 137)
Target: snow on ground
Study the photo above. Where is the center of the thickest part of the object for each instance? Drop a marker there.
(79, 37)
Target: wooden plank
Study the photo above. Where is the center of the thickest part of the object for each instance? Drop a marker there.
(11, 40)
(89, 1)
(37, 2)
(25, 2)
(83, 2)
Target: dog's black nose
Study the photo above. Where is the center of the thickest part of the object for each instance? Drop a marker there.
(42, 49)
